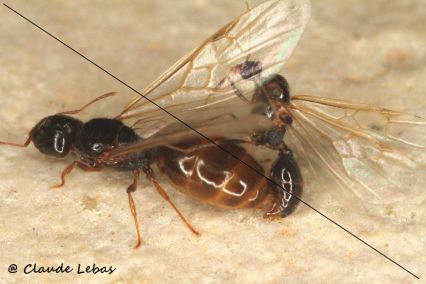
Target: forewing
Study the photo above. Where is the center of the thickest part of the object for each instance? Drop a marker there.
(267, 33)
(214, 124)
(354, 150)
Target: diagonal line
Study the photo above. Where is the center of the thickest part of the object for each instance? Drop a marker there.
(213, 142)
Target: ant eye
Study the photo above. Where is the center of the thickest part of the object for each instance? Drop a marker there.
(60, 143)
(277, 94)
(280, 89)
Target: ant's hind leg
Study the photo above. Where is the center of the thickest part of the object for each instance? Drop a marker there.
(287, 186)
(69, 169)
(132, 188)
(150, 175)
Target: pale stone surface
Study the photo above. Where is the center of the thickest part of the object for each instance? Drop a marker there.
(368, 51)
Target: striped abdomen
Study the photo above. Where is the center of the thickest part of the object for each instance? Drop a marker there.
(214, 177)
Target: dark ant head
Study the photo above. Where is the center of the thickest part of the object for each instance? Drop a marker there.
(271, 92)
(54, 135)
(278, 89)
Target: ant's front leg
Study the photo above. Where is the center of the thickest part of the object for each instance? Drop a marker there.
(69, 169)
(286, 187)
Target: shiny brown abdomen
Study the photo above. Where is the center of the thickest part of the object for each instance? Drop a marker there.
(213, 176)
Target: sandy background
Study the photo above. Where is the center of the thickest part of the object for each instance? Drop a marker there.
(370, 51)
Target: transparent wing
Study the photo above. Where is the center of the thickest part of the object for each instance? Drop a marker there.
(355, 150)
(214, 124)
(265, 35)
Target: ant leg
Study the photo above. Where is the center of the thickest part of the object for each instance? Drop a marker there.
(234, 87)
(89, 103)
(132, 188)
(220, 84)
(69, 169)
(287, 186)
(150, 175)
(238, 93)
(236, 90)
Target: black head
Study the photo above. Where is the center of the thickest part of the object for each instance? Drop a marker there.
(276, 89)
(54, 135)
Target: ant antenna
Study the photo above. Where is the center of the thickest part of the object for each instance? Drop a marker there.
(26, 143)
(89, 103)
